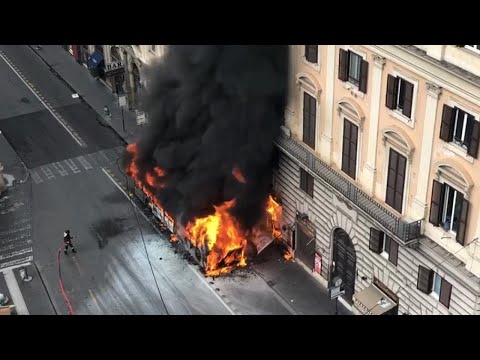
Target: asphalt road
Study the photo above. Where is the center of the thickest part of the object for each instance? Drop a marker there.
(110, 273)
(71, 155)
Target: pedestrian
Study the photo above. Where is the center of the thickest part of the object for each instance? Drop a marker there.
(67, 240)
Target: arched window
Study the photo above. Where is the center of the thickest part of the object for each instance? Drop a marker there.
(398, 155)
(449, 204)
(309, 109)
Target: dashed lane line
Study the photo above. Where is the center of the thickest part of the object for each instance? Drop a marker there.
(202, 279)
(72, 132)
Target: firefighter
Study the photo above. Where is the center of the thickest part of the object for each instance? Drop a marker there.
(67, 240)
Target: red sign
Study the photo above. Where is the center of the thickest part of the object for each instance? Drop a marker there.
(318, 263)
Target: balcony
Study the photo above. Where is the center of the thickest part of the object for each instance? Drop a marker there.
(403, 230)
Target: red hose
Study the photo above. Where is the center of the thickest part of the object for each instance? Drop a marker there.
(61, 283)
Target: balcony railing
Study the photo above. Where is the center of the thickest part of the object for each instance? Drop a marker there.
(395, 224)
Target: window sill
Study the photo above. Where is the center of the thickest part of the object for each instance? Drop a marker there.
(459, 151)
(353, 89)
(315, 66)
(435, 296)
(384, 255)
(447, 234)
(398, 115)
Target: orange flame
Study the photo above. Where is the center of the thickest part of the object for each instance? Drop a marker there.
(237, 174)
(287, 255)
(151, 178)
(222, 236)
(218, 234)
(274, 211)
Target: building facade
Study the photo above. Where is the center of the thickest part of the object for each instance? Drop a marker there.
(119, 67)
(379, 174)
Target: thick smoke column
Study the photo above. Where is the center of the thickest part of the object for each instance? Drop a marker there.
(214, 108)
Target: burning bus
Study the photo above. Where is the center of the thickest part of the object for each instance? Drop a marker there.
(217, 241)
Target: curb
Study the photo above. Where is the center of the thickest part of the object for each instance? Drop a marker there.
(82, 99)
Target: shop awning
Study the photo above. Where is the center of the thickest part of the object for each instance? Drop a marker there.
(372, 301)
(95, 59)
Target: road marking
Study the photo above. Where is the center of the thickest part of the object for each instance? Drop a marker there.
(119, 187)
(16, 253)
(84, 162)
(24, 264)
(15, 293)
(78, 266)
(75, 137)
(15, 263)
(92, 158)
(60, 169)
(72, 166)
(17, 244)
(105, 156)
(94, 300)
(202, 279)
(48, 173)
(36, 178)
(210, 288)
(15, 230)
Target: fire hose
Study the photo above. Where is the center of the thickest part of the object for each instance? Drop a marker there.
(70, 308)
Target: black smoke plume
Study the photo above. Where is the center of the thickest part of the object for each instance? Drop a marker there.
(213, 108)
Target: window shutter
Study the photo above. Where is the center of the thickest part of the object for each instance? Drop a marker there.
(313, 122)
(473, 146)
(391, 92)
(407, 102)
(437, 202)
(306, 117)
(425, 279)
(363, 77)
(462, 226)
(311, 53)
(376, 240)
(343, 65)
(446, 129)
(445, 293)
(393, 254)
(310, 185)
(303, 180)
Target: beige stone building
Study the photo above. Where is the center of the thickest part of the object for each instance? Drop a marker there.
(128, 78)
(379, 174)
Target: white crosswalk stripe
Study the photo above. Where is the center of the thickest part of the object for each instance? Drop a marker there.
(48, 173)
(84, 162)
(94, 158)
(105, 156)
(60, 169)
(75, 165)
(72, 165)
(36, 178)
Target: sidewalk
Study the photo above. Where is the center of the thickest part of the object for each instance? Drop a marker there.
(16, 241)
(288, 279)
(93, 92)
